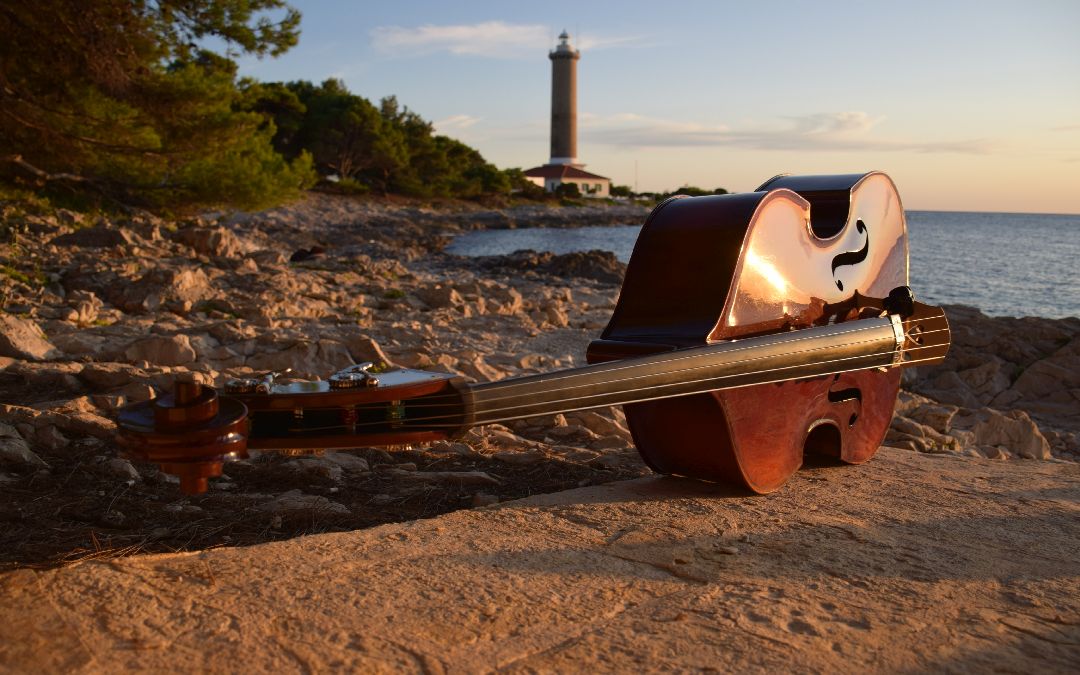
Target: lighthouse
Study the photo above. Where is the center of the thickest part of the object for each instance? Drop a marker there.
(563, 165)
(564, 60)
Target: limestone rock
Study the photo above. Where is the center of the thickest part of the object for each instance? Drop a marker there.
(316, 466)
(73, 421)
(994, 452)
(136, 392)
(926, 439)
(1050, 387)
(295, 500)
(503, 438)
(520, 457)
(937, 417)
(94, 237)
(347, 461)
(1014, 430)
(414, 358)
(364, 348)
(109, 375)
(49, 437)
(22, 339)
(440, 296)
(452, 449)
(163, 285)
(57, 376)
(506, 300)
(987, 380)
(481, 499)
(306, 359)
(82, 424)
(229, 332)
(14, 451)
(949, 387)
(608, 442)
(478, 369)
(1029, 363)
(575, 431)
(122, 469)
(19, 414)
(212, 241)
(86, 305)
(599, 424)
(1064, 443)
(598, 265)
(456, 477)
(84, 344)
(173, 350)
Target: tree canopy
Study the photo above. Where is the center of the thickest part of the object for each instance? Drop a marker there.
(123, 96)
(387, 148)
(138, 102)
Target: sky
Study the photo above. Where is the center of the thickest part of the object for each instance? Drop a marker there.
(969, 106)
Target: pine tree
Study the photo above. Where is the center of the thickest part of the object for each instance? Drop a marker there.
(122, 98)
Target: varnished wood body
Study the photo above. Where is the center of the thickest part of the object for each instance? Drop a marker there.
(718, 268)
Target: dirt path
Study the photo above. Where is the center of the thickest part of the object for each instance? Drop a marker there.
(911, 563)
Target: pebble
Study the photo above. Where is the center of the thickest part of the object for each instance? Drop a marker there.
(123, 469)
(113, 518)
(15, 453)
(295, 500)
(484, 499)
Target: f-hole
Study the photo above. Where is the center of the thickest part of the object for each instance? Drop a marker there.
(852, 257)
(849, 394)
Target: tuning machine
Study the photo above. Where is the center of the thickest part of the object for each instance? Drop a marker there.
(354, 377)
(262, 384)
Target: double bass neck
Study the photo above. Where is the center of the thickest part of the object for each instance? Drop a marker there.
(881, 342)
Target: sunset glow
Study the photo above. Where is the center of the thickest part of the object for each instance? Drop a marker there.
(969, 106)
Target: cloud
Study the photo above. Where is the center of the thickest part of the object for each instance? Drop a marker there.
(455, 122)
(853, 122)
(493, 39)
(592, 43)
(1067, 127)
(839, 131)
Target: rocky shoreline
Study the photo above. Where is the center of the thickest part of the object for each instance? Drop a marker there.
(98, 312)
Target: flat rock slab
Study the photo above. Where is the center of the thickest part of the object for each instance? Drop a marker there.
(910, 563)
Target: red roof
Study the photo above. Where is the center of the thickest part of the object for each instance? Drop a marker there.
(561, 171)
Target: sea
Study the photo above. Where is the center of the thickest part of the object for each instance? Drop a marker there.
(1006, 264)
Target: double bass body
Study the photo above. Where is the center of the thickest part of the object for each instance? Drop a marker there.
(799, 252)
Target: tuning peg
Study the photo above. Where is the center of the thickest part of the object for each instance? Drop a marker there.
(901, 301)
(354, 376)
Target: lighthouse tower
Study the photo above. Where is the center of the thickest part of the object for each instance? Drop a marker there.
(564, 167)
(564, 60)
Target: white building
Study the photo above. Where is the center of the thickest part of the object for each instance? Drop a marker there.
(551, 176)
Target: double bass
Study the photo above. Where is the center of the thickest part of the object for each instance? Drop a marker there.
(750, 329)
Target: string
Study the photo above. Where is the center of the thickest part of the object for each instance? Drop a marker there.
(495, 385)
(495, 411)
(680, 355)
(532, 381)
(664, 360)
(426, 403)
(654, 388)
(459, 424)
(532, 384)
